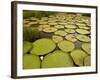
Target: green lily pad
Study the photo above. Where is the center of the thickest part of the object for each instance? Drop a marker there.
(83, 38)
(57, 59)
(66, 46)
(78, 56)
(59, 26)
(70, 30)
(84, 27)
(41, 27)
(87, 61)
(71, 37)
(60, 33)
(31, 61)
(57, 39)
(86, 47)
(71, 26)
(62, 23)
(82, 31)
(43, 46)
(52, 23)
(26, 46)
(45, 22)
(32, 23)
(48, 30)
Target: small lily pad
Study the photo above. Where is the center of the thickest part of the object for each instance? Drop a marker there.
(59, 26)
(66, 46)
(57, 39)
(57, 59)
(43, 22)
(60, 33)
(78, 56)
(31, 61)
(71, 37)
(82, 31)
(84, 27)
(26, 46)
(48, 30)
(32, 23)
(87, 61)
(43, 46)
(52, 23)
(70, 30)
(71, 26)
(86, 47)
(83, 38)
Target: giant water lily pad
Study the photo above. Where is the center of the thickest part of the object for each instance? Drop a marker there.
(57, 39)
(41, 27)
(71, 37)
(83, 38)
(43, 46)
(31, 61)
(52, 23)
(26, 46)
(71, 26)
(70, 30)
(60, 33)
(57, 59)
(48, 30)
(84, 27)
(78, 56)
(82, 31)
(59, 26)
(86, 47)
(66, 46)
(87, 61)
(43, 22)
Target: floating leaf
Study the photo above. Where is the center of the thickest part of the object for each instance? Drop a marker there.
(71, 37)
(57, 59)
(78, 56)
(60, 33)
(26, 46)
(51, 29)
(57, 39)
(31, 61)
(66, 46)
(87, 61)
(86, 47)
(82, 31)
(83, 38)
(43, 46)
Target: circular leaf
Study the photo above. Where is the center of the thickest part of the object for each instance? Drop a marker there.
(66, 46)
(43, 46)
(57, 59)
